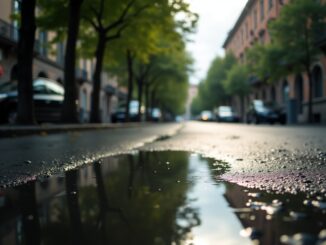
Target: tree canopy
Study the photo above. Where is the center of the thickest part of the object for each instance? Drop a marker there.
(211, 91)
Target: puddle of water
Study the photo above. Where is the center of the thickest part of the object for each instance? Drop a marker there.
(155, 198)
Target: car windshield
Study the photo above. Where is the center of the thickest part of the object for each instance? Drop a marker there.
(8, 87)
(39, 86)
(206, 113)
(225, 109)
(133, 107)
(259, 104)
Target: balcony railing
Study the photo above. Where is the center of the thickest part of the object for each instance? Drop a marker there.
(9, 31)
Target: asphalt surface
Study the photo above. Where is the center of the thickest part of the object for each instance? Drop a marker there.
(273, 158)
(27, 157)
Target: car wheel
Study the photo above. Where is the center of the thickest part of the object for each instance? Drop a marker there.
(256, 120)
(12, 117)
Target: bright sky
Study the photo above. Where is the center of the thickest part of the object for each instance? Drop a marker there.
(216, 19)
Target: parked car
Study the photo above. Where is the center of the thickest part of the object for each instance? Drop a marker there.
(48, 99)
(156, 115)
(206, 116)
(260, 112)
(226, 114)
(120, 114)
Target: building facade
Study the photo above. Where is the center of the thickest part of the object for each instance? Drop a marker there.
(291, 92)
(49, 62)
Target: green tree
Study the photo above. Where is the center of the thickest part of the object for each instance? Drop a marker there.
(294, 34)
(211, 91)
(150, 37)
(107, 19)
(196, 106)
(262, 60)
(236, 83)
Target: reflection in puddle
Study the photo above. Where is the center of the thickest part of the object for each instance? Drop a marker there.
(154, 198)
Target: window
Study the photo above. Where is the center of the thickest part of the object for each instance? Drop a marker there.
(43, 38)
(317, 82)
(255, 18)
(262, 10)
(270, 4)
(15, 23)
(273, 94)
(262, 37)
(60, 53)
(40, 89)
(285, 92)
(264, 95)
(299, 92)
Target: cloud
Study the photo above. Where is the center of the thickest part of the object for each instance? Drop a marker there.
(216, 19)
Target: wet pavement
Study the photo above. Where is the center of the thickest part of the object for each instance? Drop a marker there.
(24, 158)
(283, 159)
(156, 198)
(267, 184)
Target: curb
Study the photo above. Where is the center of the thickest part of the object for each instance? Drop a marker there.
(43, 130)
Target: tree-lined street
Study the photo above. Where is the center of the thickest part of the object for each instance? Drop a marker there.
(105, 137)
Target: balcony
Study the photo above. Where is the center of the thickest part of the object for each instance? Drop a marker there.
(9, 34)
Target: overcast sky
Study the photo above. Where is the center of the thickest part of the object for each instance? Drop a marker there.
(216, 19)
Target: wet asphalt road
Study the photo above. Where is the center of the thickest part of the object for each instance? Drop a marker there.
(278, 158)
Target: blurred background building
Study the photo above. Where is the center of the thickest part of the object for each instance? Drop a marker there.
(291, 92)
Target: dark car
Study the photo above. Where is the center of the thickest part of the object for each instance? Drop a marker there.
(120, 114)
(226, 114)
(260, 112)
(48, 99)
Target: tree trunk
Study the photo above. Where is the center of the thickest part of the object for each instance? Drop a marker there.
(28, 207)
(25, 107)
(69, 109)
(100, 51)
(153, 98)
(140, 98)
(73, 207)
(147, 107)
(310, 112)
(103, 200)
(130, 84)
(242, 101)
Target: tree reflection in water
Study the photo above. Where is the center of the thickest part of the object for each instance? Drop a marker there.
(72, 191)
(29, 214)
(130, 199)
(155, 200)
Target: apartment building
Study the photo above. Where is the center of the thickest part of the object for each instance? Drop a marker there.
(49, 61)
(291, 92)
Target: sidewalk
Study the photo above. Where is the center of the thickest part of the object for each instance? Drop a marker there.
(44, 129)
